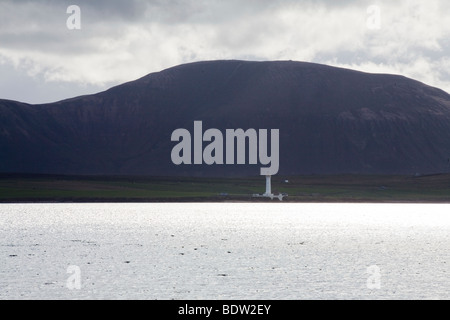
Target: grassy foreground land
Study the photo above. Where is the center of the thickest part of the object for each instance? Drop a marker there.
(314, 188)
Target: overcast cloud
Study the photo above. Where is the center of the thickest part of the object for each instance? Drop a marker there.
(41, 60)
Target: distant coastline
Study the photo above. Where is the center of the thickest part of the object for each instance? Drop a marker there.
(24, 188)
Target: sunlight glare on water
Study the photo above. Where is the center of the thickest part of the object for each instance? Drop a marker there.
(224, 251)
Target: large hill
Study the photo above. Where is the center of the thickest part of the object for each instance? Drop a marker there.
(331, 120)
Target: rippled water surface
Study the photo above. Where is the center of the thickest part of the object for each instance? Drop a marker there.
(224, 251)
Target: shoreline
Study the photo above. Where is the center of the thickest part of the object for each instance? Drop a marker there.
(214, 200)
(300, 189)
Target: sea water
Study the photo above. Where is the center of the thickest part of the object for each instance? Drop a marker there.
(225, 251)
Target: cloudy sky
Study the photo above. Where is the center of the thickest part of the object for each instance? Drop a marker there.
(49, 53)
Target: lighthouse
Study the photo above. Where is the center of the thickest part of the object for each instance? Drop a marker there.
(268, 193)
(268, 186)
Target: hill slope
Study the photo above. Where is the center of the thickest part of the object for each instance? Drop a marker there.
(331, 120)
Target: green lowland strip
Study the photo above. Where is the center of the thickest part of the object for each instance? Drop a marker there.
(313, 188)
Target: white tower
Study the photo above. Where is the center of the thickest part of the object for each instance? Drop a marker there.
(269, 193)
(268, 186)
